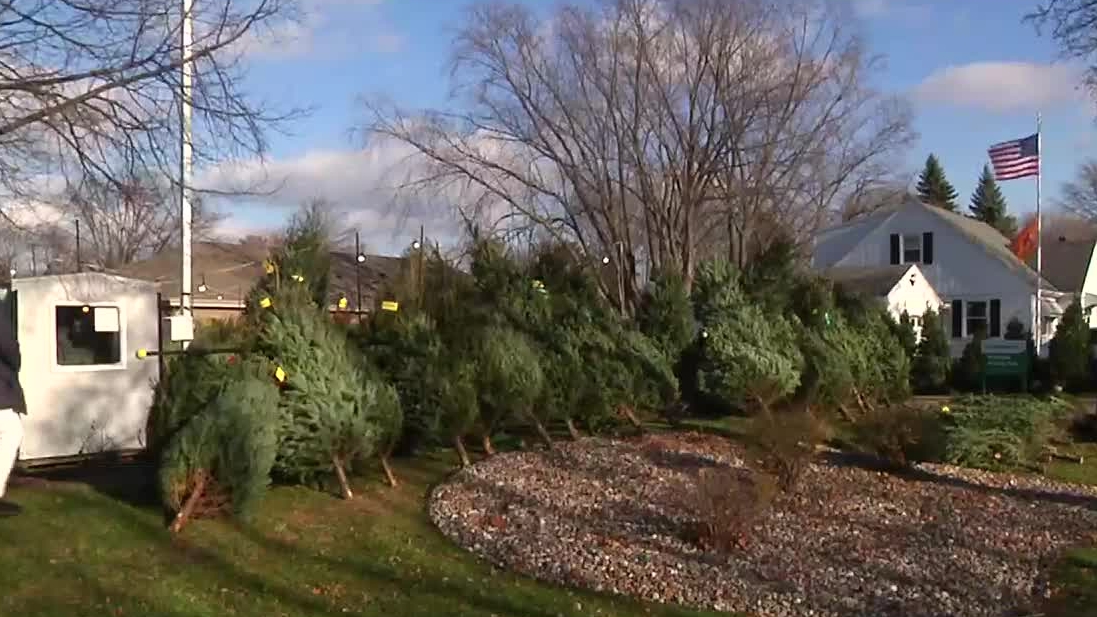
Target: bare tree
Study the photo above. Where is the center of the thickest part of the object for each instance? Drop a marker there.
(653, 130)
(1079, 196)
(123, 224)
(91, 88)
(1072, 24)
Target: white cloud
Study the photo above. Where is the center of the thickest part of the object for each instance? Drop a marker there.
(905, 10)
(1003, 86)
(389, 43)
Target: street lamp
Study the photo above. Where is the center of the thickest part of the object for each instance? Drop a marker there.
(202, 288)
(605, 260)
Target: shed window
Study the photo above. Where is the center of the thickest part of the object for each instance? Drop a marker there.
(912, 248)
(88, 336)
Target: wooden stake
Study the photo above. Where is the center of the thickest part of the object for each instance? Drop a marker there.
(572, 430)
(460, 444)
(388, 471)
(541, 430)
(342, 475)
(191, 503)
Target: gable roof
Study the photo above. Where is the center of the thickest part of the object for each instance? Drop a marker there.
(874, 280)
(981, 234)
(1065, 263)
(230, 270)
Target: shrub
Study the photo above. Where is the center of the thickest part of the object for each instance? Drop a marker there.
(1069, 353)
(729, 502)
(900, 435)
(968, 373)
(786, 442)
(992, 432)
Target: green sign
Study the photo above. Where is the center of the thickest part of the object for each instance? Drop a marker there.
(1005, 358)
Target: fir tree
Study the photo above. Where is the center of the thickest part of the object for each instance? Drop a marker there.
(508, 381)
(665, 315)
(932, 359)
(934, 188)
(333, 412)
(1069, 350)
(302, 259)
(904, 331)
(221, 457)
(972, 364)
(989, 205)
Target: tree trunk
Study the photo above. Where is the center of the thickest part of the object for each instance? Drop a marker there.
(388, 471)
(572, 430)
(541, 430)
(340, 473)
(460, 445)
(488, 448)
(626, 411)
(190, 504)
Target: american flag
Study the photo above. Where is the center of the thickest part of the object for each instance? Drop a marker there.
(1019, 158)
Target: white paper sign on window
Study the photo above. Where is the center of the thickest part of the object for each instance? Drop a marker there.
(106, 319)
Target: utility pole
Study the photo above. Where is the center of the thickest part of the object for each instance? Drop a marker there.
(185, 158)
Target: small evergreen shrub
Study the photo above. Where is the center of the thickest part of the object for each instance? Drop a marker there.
(1069, 351)
(998, 432)
(932, 358)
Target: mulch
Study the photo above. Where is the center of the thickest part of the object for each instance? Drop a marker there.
(613, 515)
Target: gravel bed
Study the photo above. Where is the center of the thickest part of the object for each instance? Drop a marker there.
(609, 515)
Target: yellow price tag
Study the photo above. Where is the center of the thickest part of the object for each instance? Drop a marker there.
(390, 305)
(269, 267)
(142, 353)
(279, 374)
(265, 303)
(342, 303)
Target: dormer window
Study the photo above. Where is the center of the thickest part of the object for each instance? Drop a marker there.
(912, 248)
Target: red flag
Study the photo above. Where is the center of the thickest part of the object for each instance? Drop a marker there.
(1024, 244)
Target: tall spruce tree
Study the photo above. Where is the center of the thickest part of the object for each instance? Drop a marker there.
(989, 205)
(933, 358)
(933, 187)
(1069, 350)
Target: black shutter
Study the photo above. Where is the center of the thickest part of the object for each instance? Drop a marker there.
(957, 319)
(927, 247)
(894, 249)
(995, 318)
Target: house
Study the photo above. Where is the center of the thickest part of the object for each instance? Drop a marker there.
(1071, 266)
(86, 390)
(222, 274)
(902, 288)
(981, 283)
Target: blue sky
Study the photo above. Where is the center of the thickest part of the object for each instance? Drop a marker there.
(976, 76)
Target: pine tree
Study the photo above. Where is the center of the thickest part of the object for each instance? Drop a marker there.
(933, 358)
(989, 205)
(665, 315)
(221, 458)
(1069, 350)
(302, 259)
(934, 188)
(333, 412)
(508, 381)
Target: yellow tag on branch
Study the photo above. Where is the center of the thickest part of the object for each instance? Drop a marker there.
(269, 267)
(280, 374)
(342, 303)
(142, 353)
(390, 305)
(265, 303)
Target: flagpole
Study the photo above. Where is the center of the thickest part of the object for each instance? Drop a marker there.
(1039, 242)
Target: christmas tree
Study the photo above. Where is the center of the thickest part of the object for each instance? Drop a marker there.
(934, 188)
(989, 205)
(304, 258)
(1069, 350)
(509, 381)
(332, 412)
(933, 358)
(220, 459)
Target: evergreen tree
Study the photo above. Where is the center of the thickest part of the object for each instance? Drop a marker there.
(221, 457)
(904, 331)
(1069, 350)
(665, 315)
(509, 381)
(302, 259)
(989, 205)
(933, 187)
(972, 364)
(333, 411)
(932, 359)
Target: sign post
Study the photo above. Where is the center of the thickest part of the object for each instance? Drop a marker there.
(1006, 358)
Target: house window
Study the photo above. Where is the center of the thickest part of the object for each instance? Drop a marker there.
(88, 336)
(912, 248)
(976, 317)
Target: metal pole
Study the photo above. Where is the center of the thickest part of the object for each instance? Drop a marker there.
(185, 158)
(422, 283)
(33, 260)
(1039, 245)
(78, 264)
(357, 278)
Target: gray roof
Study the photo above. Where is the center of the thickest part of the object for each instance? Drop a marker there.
(980, 233)
(1065, 263)
(874, 281)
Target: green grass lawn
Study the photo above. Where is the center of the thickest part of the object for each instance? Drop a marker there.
(78, 551)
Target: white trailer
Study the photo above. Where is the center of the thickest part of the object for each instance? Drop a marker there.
(86, 391)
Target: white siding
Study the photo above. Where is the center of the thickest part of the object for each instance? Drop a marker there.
(914, 299)
(962, 269)
(75, 410)
(1089, 286)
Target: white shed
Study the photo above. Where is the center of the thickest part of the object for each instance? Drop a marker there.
(86, 391)
(902, 288)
